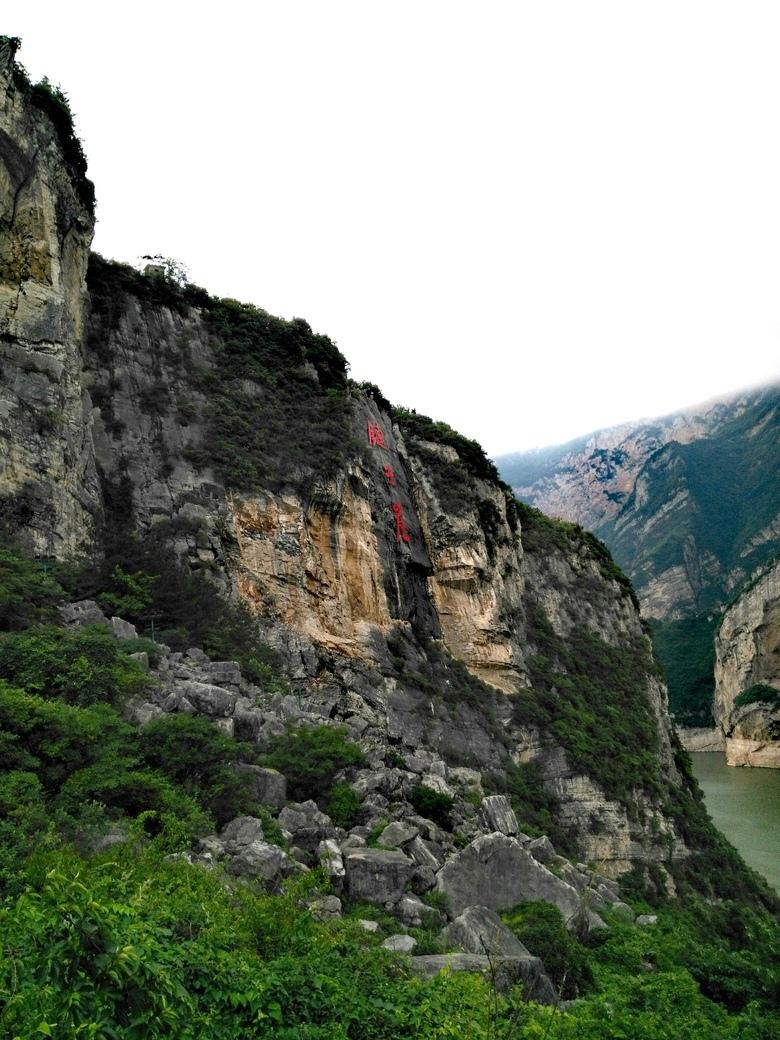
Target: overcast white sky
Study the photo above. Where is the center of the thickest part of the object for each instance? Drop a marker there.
(529, 219)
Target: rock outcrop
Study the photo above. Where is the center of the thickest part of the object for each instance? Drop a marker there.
(48, 481)
(747, 674)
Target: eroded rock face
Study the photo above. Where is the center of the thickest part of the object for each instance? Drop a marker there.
(497, 872)
(48, 483)
(747, 655)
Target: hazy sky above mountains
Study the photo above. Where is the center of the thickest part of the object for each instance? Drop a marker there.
(528, 219)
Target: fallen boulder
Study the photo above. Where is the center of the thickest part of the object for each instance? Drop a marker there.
(377, 875)
(496, 871)
(506, 973)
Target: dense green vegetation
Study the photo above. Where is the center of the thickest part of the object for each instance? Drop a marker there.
(82, 667)
(129, 943)
(433, 805)
(310, 757)
(278, 410)
(540, 927)
(592, 698)
(758, 693)
(686, 649)
(542, 534)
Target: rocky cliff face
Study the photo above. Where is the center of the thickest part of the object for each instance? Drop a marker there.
(747, 674)
(48, 483)
(378, 550)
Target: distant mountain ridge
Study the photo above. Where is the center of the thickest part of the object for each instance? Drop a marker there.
(709, 472)
(689, 505)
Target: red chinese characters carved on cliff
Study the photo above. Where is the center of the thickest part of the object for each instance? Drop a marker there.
(376, 438)
(389, 475)
(401, 534)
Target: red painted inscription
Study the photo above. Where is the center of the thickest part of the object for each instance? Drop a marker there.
(401, 534)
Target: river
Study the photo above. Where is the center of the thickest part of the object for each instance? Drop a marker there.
(745, 805)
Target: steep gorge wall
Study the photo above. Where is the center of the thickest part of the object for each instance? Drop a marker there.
(390, 570)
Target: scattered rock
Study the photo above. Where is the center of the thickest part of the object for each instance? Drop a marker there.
(123, 629)
(397, 834)
(480, 930)
(400, 943)
(243, 830)
(411, 910)
(268, 786)
(377, 875)
(224, 673)
(261, 860)
(329, 855)
(327, 908)
(647, 919)
(368, 926)
(208, 699)
(84, 612)
(497, 814)
(542, 850)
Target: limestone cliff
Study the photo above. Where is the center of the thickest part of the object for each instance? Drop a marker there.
(408, 595)
(747, 674)
(48, 483)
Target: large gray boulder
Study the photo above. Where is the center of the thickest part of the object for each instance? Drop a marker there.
(241, 831)
(397, 834)
(400, 943)
(480, 930)
(261, 860)
(268, 786)
(507, 972)
(123, 629)
(307, 824)
(224, 673)
(497, 814)
(208, 699)
(496, 871)
(84, 612)
(377, 875)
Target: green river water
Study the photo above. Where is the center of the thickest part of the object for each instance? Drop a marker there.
(745, 805)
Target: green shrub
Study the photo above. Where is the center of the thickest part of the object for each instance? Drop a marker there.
(759, 693)
(310, 757)
(592, 699)
(541, 928)
(28, 590)
(23, 820)
(343, 805)
(686, 649)
(198, 757)
(131, 792)
(81, 667)
(433, 805)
